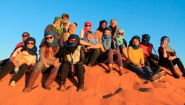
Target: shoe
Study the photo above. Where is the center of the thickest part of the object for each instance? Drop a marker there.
(47, 87)
(161, 73)
(176, 75)
(110, 69)
(12, 84)
(154, 77)
(81, 87)
(183, 74)
(62, 87)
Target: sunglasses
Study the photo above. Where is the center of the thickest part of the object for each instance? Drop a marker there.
(120, 33)
(88, 25)
(25, 36)
(30, 43)
(51, 37)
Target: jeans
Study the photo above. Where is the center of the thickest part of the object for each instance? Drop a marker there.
(66, 70)
(144, 72)
(118, 56)
(41, 67)
(91, 56)
(10, 67)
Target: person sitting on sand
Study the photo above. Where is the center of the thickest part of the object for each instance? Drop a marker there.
(72, 59)
(147, 51)
(25, 35)
(47, 59)
(91, 54)
(136, 60)
(168, 57)
(22, 59)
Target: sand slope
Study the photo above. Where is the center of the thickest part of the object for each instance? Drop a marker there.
(102, 89)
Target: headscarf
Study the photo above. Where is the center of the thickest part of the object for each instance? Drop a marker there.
(135, 47)
(58, 30)
(168, 47)
(86, 36)
(71, 46)
(107, 40)
(85, 29)
(147, 37)
(100, 28)
(55, 42)
(32, 51)
(119, 39)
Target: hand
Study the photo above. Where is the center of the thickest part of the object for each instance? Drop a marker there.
(163, 46)
(115, 51)
(56, 63)
(140, 65)
(87, 49)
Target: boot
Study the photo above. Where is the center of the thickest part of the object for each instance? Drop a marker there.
(50, 79)
(175, 75)
(62, 86)
(81, 87)
(32, 79)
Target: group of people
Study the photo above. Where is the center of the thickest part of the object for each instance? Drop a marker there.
(65, 53)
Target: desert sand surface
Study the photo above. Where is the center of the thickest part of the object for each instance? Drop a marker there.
(101, 89)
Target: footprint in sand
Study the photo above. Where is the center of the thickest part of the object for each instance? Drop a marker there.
(141, 87)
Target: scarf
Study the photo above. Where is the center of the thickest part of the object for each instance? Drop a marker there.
(168, 47)
(85, 29)
(32, 51)
(145, 39)
(55, 42)
(58, 30)
(119, 39)
(100, 27)
(106, 41)
(86, 36)
(135, 47)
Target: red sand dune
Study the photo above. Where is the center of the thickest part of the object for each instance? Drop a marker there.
(102, 89)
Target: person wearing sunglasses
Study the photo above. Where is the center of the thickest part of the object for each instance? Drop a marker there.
(47, 59)
(87, 27)
(168, 57)
(119, 43)
(25, 35)
(72, 57)
(22, 59)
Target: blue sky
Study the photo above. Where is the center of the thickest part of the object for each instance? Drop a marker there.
(136, 17)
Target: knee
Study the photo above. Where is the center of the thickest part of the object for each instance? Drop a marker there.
(39, 66)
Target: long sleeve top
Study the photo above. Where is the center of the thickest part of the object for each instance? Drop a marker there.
(135, 56)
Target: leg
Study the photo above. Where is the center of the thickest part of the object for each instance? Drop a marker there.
(153, 65)
(65, 70)
(138, 71)
(110, 59)
(51, 78)
(80, 75)
(19, 74)
(94, 55)
(171, 66)
(180, 65)
(35, 73)
(6, 69)
(120, 63)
